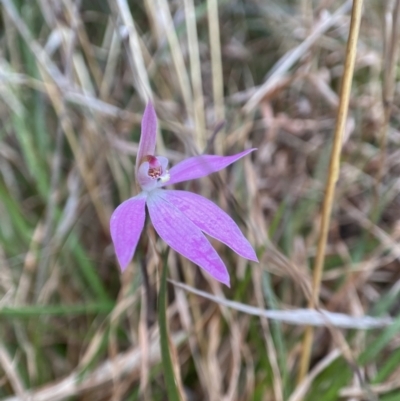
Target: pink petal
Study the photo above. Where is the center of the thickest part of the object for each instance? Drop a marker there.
(200, 166)
(211, 219)
(143, 175)
(126, 225)
(184, 237)
(147, 143)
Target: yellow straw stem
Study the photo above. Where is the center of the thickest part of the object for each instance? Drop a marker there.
(332, 178)
(195, 72)
(390, 57)
(176, 54)
(216, 67)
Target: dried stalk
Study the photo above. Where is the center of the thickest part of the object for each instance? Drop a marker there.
(332, 179)
(176, 54)
(195, 72)
(216, 67)
(390, 56)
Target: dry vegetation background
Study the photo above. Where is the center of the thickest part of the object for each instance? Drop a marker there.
(74, 79)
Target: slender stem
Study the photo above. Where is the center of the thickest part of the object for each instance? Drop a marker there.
(332, 178)
(390, 56)
(216, 68)
(150, 295)
(176, 54)
(170, 382)
(195, 72)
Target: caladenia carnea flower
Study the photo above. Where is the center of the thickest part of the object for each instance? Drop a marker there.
(179, 217)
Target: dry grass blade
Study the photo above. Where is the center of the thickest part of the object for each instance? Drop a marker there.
(283, 65)
(139, 69)
(304, 386)
(300, 317)
(8, 367)
(333, 175)
(195, 72)
(56, 171)
(128, 362)
(380, 389)
(216, 66)
(37, 50)
(388, 88)
(177, 56)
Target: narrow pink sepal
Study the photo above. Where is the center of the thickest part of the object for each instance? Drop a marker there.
(184, 237)
(212, 220)
(201, 166)
(147, 143)
(126, 225)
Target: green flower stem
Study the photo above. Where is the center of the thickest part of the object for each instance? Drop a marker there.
(172, 390)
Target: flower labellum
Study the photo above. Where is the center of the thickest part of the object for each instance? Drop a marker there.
(179, 217)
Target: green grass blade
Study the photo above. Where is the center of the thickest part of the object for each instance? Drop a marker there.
(56, 310)
(381, 342)
(89, 272)
(392, 363)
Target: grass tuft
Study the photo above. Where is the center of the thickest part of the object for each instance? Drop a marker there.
(74, 80)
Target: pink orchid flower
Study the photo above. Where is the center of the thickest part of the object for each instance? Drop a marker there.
(179, 217)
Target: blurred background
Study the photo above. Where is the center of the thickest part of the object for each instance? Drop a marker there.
(224, 76)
